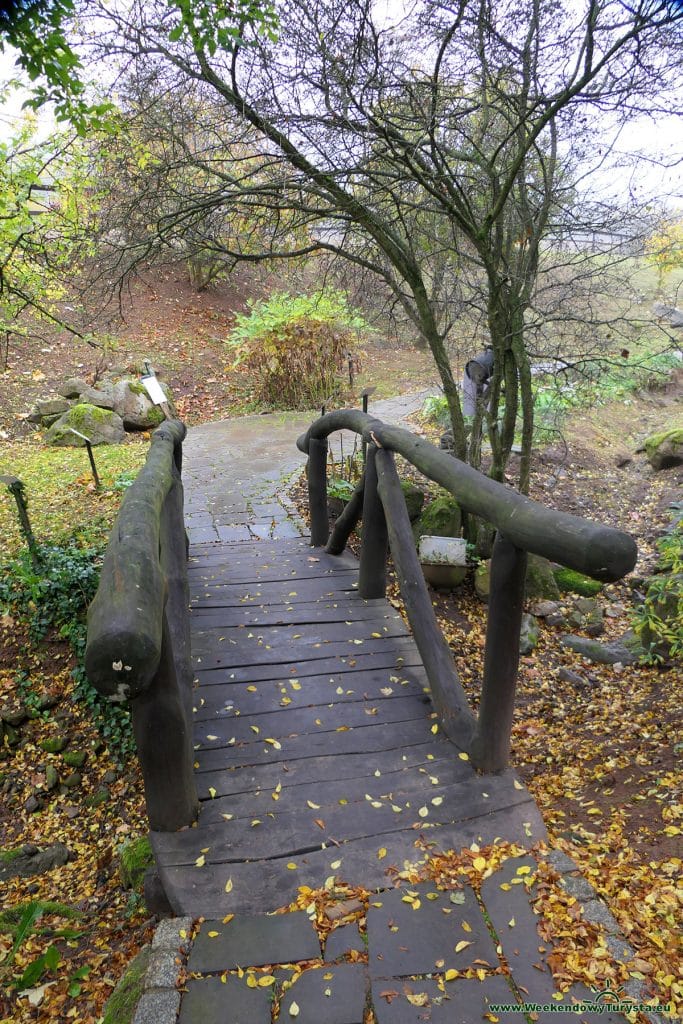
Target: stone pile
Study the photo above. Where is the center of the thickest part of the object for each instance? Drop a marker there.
(103, 414)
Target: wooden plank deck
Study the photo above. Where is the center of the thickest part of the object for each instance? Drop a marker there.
(313, 738)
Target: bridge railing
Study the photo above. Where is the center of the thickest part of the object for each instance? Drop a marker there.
(522, 526)
(138, 645)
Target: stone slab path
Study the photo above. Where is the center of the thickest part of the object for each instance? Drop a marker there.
(236, 471)
(316, 759)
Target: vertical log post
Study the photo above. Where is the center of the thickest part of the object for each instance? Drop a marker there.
(173, 561)
(163, 738)
(490, 749)
(317, 491)
(348, 520)
(18, 492)
(448, 697)
(372, 575)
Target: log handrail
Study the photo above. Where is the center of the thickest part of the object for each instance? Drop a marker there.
(522, 525)
(138, 646)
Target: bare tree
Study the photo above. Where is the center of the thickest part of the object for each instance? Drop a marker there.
(425, 150)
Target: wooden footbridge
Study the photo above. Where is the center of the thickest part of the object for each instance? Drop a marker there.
(290, 728)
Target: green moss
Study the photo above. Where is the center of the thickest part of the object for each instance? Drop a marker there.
(81, 413)
(441, 518)
(136, 387)
(540, 584)
(124, 999)
(156, 416)
(414, 498)
(134, 859)
(576, 583)
(675, 436)
(7, 856)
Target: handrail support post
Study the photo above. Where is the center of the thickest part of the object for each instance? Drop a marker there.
(490, 750)
(317, 492)
(374, 549)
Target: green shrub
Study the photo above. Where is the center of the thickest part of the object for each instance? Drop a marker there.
(297, 347)
(56, 592)
(435, 410)
(55, 596)
(338, 488)
(659, 620)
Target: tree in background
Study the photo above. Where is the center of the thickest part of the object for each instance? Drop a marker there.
(665, 249)
(389, 152)
(169, 165)
(46, 206)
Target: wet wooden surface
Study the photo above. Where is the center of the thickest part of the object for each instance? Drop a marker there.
(317, 752)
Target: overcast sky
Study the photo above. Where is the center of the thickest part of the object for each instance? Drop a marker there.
(660, 176)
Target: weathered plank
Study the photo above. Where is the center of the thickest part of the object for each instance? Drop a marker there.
(290, 592)
(272, 695)
(315, 666)
(216, 637)
(251, 653)
(398, 785)
(287, 723)
(363, 815)
(251, 778)
(338, 610)
(365, 739)
(263, 885)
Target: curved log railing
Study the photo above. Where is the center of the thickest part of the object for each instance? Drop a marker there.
(138, 630)
(522, 526)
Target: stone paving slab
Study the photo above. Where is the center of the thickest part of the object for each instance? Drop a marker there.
(327, 995)
(464, 1001)
(252, 941)
(342, 940)
(213, 1001)
(419, 934)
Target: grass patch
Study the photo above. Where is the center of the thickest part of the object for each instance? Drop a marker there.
(62, 501)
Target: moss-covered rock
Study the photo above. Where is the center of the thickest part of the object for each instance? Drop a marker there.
(75, 758)
(540, 582)
(482, 580)
(576, 583)
(101, 426)
(98, 798)
(53, 744)
(528, 634)
(665, 449)
(135, 407)
(135, 857)
(441, 518)
(414, 497)
(123, 1001)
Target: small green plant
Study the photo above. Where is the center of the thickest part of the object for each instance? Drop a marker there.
(339, 488)
(297, 347)
(122, 481)
(435, 410)
(658, 622)
(56, 596)
(31, 700)
(345, 472)
(21, 922)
